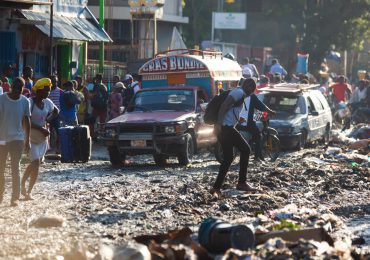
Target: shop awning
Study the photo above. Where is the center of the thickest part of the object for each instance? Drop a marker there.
(70, 28)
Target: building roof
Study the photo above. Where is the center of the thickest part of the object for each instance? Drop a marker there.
(70, 28)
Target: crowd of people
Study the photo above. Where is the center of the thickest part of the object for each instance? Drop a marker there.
(30, 111)
(336, 89)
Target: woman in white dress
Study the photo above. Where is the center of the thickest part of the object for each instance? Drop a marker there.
(43, 111)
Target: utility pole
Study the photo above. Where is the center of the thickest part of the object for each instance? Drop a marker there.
(51, 39)
(220, 8)
(101, 46)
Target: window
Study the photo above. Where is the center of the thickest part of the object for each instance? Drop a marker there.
(317, 104)
(164, 100)
(285, 103)
(310, 105)
(323, 101)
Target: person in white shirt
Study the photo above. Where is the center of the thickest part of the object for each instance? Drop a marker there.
(249, 70)
(277, 68)
(360, 92)
(43, 110)
(14, 135)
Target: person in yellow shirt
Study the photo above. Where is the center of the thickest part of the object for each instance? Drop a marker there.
(83, 107)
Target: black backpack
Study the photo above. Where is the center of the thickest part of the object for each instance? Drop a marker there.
(211, 114)
(100, 101)
(69, 99)
(128, 94)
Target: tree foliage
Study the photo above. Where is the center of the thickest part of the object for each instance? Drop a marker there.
(324, 25)
(318, 25)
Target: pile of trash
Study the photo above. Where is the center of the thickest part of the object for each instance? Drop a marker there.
(356, 138)
(289, 232)
(221, 240)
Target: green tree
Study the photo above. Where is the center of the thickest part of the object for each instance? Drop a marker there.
(321, 25)
(200, 19)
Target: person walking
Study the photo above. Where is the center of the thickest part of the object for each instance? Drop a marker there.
(249, 70)
(68, 105)
(14, 135)
(83, 107)
(277, 68)
(115, 100)
(129, 92)
(99, 103)
(43, 110)
(54, 125)
(341, 89)
(27, 76)
(6, 86)
(229, 137)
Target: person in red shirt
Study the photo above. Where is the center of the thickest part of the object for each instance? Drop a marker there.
(340, 89)
(6, 85)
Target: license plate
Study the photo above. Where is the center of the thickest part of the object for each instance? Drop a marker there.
(138, 143)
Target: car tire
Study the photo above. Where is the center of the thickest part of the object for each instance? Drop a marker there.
(187, 151)
(160, 159)
(116, 158)
(326, 137)
(302, 140)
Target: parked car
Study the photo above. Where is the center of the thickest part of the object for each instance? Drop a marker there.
(164, 122)
(303, 113)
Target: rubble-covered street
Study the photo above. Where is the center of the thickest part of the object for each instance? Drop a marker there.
(94, 204)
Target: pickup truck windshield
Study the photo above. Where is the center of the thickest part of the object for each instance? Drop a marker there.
(285, 103)
(164, 100)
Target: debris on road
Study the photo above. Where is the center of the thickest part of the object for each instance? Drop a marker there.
(47, 222)
(320, 188)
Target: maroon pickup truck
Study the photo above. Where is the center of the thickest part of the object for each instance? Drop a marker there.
(164, 122)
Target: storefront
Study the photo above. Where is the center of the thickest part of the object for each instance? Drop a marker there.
(28, 38)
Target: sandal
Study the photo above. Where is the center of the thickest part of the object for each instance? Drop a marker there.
(246, 187)
(216, 193)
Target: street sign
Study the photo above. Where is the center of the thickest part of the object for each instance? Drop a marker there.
(236, 21)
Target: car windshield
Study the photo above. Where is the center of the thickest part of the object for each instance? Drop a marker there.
(164, 100)
(285, 103)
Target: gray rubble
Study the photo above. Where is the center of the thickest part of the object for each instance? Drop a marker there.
(101, 205)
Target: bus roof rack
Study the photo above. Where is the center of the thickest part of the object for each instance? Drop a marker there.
(203, 53)
(289, 87)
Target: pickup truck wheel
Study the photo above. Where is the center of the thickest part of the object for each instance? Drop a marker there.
(326, 138)
(160, 159)
(116, 158)
(186, 155)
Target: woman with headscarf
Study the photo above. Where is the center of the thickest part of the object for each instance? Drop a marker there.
(43, 111)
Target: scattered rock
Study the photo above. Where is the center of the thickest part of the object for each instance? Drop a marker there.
(47, 222)
(225, 207)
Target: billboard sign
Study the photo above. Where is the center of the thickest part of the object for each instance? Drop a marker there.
(236, 21)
